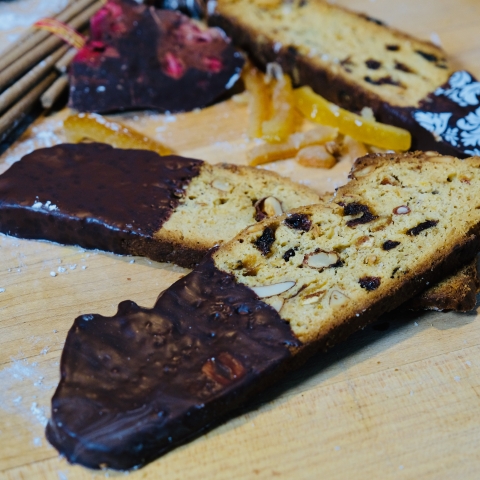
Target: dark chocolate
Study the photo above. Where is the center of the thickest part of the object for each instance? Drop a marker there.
(137, 384)
(140, 57)
(192, 8)
(288, 254)
(92, 195)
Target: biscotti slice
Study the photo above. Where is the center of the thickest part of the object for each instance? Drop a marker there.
(258, 306)
(457, 292)
(356, 61)
(136, 202)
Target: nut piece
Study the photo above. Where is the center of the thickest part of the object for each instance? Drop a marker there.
(320, 259)
(221, 184)
(313, 297)
(316, 156)
(267, 207)
(364, 171)
(337, 298)
(266, 291)
(224, 369)
(277, 303)
(401, 210)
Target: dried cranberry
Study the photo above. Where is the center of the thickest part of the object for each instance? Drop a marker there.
(369, 283)
(298, 221)
(355, 209)
(373, 64)
(390, 244)
(265, 241)
(421, 227)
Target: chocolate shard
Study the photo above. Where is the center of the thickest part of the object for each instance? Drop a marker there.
(137, 384)
(93, 195)
(140, 57)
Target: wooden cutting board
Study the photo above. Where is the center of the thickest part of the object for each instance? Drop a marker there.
(398, 400)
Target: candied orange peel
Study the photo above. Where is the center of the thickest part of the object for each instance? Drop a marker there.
(319, 110)
(94, 127)
(272, 105)
(270, 152)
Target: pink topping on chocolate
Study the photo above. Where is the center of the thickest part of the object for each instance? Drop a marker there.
(213, 64)
(173, 66)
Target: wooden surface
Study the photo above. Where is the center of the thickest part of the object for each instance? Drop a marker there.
(399, 400)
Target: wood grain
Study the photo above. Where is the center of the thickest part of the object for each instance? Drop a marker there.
(398, 400)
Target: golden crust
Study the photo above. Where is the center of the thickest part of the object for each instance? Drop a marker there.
(219, 203)
(344, 263)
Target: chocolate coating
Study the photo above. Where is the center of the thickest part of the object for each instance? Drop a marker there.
(92, 195)
(140, 57)
(137, 384)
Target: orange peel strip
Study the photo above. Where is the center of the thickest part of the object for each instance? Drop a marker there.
(315, 156)
(259, 101)
(281, 122)
(316, 108)
(62, 30)
(270, 152)
(94, 127)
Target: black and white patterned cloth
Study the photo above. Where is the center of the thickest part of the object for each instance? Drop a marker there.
(454, 115)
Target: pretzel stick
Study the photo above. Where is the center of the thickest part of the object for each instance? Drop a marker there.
(13, 116)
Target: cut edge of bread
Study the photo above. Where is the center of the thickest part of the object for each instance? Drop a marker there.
(454, 247)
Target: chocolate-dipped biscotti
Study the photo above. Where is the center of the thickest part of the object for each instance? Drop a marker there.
(167, 208)
(258, 306)
(357, 61)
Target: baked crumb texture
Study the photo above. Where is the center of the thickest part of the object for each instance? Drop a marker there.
(335, 50)
(221, 201)
(401, 222)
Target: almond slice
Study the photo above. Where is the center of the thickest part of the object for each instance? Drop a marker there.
(266, 291)
(321, 259)
(222, 185)
(276, 303)
(337, 298)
